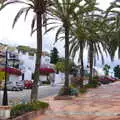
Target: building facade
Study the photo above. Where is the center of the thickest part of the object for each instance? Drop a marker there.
(27, 63)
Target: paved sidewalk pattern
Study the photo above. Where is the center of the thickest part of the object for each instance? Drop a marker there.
(102, 103)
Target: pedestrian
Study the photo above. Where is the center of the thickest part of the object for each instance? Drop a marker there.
(52, 78)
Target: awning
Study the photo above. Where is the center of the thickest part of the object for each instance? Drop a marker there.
(13, 71)
(46, 70)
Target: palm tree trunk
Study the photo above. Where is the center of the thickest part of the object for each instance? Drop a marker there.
(66, 84)
(82, 66)
(91, 61)
(34, 91)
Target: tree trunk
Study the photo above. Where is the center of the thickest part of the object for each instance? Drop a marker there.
(66, 84)
(82, 65)
(34, 92)
(91, 61)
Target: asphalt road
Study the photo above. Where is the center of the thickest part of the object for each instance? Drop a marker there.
(15, 97)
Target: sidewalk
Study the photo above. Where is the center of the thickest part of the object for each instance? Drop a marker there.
(102, 103)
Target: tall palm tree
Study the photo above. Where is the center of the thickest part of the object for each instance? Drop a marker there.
(79, 31)
(40, 8)
(94, 41)
(88, 30)
(62, 10)
(77, 44)
(113, 19)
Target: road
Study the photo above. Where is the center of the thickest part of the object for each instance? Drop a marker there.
(15, 97)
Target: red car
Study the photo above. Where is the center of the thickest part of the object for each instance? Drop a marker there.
(28, 84)
(106, 80)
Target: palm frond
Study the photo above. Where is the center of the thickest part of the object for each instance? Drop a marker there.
(26, 12)
(51, 28)
(33, 25)
(21, 11)
(58, 33)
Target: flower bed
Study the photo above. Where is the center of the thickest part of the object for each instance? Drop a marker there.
(26, 109)
(46, 70)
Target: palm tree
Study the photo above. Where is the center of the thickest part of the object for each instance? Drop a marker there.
(40, 8)
(77, 44)
(62, 11)
(88, 31)
(113, 19)
(80, 33)
(95, 41)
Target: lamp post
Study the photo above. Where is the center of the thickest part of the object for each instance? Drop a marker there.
(5, 95)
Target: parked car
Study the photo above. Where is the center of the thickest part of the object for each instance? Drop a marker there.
(14, 85)
(106, 80)
(28, 84)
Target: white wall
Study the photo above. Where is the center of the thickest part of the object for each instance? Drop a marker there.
(43, 78)
(28, 64)
(59, 78)
(14, 78)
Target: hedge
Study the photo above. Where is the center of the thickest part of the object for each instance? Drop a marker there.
(28, 107)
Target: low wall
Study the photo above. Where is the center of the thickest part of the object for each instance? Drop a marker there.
(29, 115)
(4, 112)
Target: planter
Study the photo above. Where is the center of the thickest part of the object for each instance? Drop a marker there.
(4, 112)
(29, 115)
(66, 97)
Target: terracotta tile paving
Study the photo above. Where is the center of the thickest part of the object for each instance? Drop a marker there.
(102, 103)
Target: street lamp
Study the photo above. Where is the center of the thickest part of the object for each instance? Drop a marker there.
(5, 95)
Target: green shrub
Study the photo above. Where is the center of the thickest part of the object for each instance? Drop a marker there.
(23, 108)
(93, 84)
(62, 91)
(72, 91)
(83, 90)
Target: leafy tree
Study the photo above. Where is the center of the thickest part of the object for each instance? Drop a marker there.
(117, 71)
(106, 69)
(26, 49)
(40, 9)
(61, 67)
(54, 56)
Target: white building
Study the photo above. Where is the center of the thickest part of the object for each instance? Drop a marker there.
(27, 63)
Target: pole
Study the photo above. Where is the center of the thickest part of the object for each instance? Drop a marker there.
(13, 60)
(5, 95)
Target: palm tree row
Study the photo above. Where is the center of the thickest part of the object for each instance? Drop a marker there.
(82, 25)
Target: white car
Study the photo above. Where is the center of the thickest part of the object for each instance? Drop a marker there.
(15, 86)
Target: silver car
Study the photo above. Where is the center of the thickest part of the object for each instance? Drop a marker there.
(15, 86)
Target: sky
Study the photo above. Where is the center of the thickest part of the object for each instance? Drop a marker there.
(20, 35)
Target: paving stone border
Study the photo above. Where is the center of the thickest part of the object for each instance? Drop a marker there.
(86, 113)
